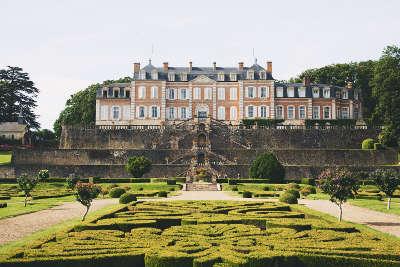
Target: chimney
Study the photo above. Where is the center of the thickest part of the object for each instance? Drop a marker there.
(136, 67)
(214, 66)
(165, 66)
(306, 81)
(269, 66)
(241, 65)
(190, 66)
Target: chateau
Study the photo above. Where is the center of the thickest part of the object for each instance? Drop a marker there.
(168, 95)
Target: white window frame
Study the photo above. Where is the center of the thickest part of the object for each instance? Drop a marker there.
(345, 94)
(233, 93)
(197, 93)
(221, 76)
(329, 114)
(315, 92)
(221, 113)
(184, 76)
(171, 113)
(221, 93)
(266, 91)
(140, 108)
(233, 77)
(279, 107)
(250, 75)
(264, 112)
(263, 75)
(208, 93)
(304, 115)
(302, 91)
(279, 91)
(345, 110)
(327, 92)
(171, 93)
(183, 94)
(154, 92)
(104, 112)
(289, 117)
(314, 108)
(290, 91)
(171, 76)
(142, 75)
(252, 115)
(183, 113)
(252, 90)
(233, 113)
(154, 108)
(154, 75)
(142, 92)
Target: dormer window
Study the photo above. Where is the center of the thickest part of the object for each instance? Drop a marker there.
(302, 92)
(154, 75)
(263, 75)
(250, 75)
(221, 76)
(142, 75)
(327, 92)
(345, 94)
(183, 76)
(105, 93)
(315, 92)
(279, 92)
(127, 94)
(233, 77)
(290, 91)
(116, 92)
(171, 77)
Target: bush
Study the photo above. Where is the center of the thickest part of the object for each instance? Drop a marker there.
(307, 190)
(378, 146)
(289, 198)
(3, 205)
(294, 192)
(267, 166)
(368, 143)
(140, 189)
(171, 182)
(138, 166)
(27, 184)
(308, 181)
(232, 182)
(247, 194)
(116, 192)
(162, 194)
(172, 189)
(127, 198)
(266, 188)
(235, 188)
(293, 186)
(43, 174)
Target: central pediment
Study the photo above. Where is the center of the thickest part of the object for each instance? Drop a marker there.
(202, 79)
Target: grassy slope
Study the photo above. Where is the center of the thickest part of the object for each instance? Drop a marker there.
(5, 157)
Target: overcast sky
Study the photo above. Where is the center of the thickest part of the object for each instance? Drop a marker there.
(67, 45)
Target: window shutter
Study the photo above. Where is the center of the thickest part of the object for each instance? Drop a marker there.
(246, 93)
(259, 92)
(158, 112)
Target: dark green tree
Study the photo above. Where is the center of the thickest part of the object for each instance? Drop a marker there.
(17, 96)
(387, 180)
(138, 166)
(85, 193)
(267, 166)
(386, 89)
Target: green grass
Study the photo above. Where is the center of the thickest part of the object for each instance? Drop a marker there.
(378, 205)
(5, 157)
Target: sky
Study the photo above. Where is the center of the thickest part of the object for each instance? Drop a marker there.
(67, 45)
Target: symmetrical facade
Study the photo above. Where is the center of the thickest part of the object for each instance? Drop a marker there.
(166, 95)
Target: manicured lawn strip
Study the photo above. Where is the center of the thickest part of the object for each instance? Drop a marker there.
(42, 234)
(378, 205)
(5, 157)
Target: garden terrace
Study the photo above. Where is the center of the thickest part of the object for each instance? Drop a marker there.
(205, 233)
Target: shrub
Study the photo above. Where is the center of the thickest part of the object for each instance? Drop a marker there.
(116, 192)
(266, 188)
(267, 166)
(307, 190)
(127, 198)
(172, 189)
(140, 189)
(387, 181)
(294, 192)
(71, 181)
(3, 205)
(293, 186)
(340, 184)
(378, 146)
(171, 182)
(111, 186)
(247, 194)
(289, 198)
(162, 194)
(85, 193)
(27, 184)
(104, 192)
(308, 181)
(232, 182)
(368, 143)
(235, 188)
(126, 187)
(43, 174)
(138, 166)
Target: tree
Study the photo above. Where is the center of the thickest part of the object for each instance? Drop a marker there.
(17, 96)
(267, 166)
(44, 137)
(85, 193)
(387, 181)
(339, 184)
(27, 184)
(386, 89)
(44, 174)
(80, 108)
(138, 166)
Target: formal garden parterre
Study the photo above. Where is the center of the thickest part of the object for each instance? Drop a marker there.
(205, 233)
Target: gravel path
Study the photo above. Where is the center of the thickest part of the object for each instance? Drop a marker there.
(15, 228)
(380, 221)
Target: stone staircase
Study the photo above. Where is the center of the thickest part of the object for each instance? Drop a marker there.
(202, 187)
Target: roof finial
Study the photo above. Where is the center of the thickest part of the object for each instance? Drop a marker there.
(149, 61)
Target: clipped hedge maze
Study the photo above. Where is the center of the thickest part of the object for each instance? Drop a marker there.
(203, 233)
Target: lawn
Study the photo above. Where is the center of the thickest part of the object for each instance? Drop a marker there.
(208, 233)
(5, 157)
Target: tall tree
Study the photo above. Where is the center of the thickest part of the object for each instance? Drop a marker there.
(386, 89)
(80, 108)
(17, 95)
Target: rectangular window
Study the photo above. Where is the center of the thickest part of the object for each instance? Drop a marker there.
(263, 111)
(141, 112)
(197, 93)
(142, 92)
(232, 114)
(154, 92)
(154, 112)
(183, 76)
(327, 92)
(171, 94)
(262, 75)
(183, 113)
(104, 94)
(127, 94)
(315, 92)
(327, 112)
(302, 92)
(345, 113)
(208, 93)
(221, 77)
(315, 112)
(345, 94)
(221, 93)
(232, 77)
(171, 77)
(279, 92)
(171, 113)
(302, 112)
(233, 93)
(279, 112)
(264, 92)
(142, 75)
(250, 111)
(126, 112)
(154, 75)
(116, 93)
(116, 113)
(250, 92)
(290, 112)
(183, 94)
(290, 91)
(104, 113)
(250, 75)
(221, 113)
